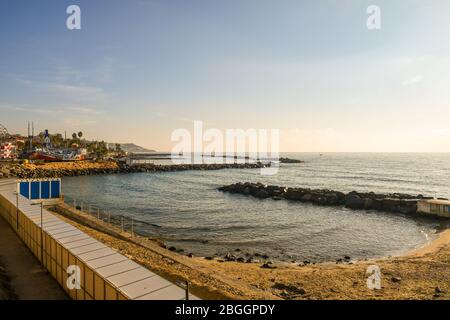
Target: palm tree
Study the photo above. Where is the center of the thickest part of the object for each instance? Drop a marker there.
(80, 134)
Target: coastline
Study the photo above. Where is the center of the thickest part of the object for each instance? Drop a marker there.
(421, 273)
(433, 246)
(87, 167)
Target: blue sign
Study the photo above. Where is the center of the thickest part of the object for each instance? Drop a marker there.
(40, 189)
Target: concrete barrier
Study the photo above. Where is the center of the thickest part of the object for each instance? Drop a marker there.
(103, 273)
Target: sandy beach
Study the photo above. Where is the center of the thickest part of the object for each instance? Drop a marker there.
(420, 274)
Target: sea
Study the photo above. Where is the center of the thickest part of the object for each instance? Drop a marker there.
(186, 211)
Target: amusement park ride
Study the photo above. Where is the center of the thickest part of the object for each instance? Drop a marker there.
(7, 149)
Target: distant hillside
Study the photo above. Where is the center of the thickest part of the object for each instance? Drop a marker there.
(131, 147)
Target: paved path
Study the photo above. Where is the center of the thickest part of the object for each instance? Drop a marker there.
(29, 280)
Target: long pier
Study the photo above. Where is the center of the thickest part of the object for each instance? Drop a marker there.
(84, 267)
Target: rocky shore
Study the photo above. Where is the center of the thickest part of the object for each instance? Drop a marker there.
(422, 274)
(396, 202)
(92, 168)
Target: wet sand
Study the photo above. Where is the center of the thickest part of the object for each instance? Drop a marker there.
(440, 242)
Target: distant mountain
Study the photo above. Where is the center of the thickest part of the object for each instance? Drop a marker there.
(131, 147)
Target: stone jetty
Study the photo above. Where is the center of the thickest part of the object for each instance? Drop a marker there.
(289, 160)
(25, 172)
(395, 202)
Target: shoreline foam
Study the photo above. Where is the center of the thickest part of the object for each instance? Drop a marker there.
(432, 246)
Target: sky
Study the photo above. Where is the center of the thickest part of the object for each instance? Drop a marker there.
(139, 69)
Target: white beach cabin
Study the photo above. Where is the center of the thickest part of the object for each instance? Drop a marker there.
(434, 207)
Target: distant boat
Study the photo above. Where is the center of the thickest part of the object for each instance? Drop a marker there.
(43, 156)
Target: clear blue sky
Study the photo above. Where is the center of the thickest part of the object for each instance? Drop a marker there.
(139, 69)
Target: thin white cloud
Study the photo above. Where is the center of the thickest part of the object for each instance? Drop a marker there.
(412, 80)
(147, 2)
(85, 92)
(60, 110)
(101, 73)
(30, 109)
(85, 110)
(73, 89)
(441, 131)
(79, 122)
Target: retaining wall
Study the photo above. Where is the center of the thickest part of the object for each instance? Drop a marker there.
(105, 273)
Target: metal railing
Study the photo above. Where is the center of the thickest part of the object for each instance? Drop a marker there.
(125, 223)
(10, 211)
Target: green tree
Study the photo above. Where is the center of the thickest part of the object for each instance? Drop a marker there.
(20, 145)
(57, 140)
(80, 134)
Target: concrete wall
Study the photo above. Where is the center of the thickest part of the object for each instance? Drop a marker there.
(105, 274)
(440, 210)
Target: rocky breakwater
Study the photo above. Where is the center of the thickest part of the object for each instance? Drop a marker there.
(184, 167)
(396, 202)
(35, 172)
(5, 171)
(59, 169)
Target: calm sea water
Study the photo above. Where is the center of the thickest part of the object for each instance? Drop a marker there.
(193, 215)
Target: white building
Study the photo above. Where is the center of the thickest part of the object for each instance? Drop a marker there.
(434, 207)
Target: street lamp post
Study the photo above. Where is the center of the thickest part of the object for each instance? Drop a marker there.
(17, 212)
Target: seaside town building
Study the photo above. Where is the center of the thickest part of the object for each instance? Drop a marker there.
(7, 150)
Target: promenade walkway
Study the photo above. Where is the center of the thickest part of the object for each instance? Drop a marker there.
(105, 273)
(29, 280)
